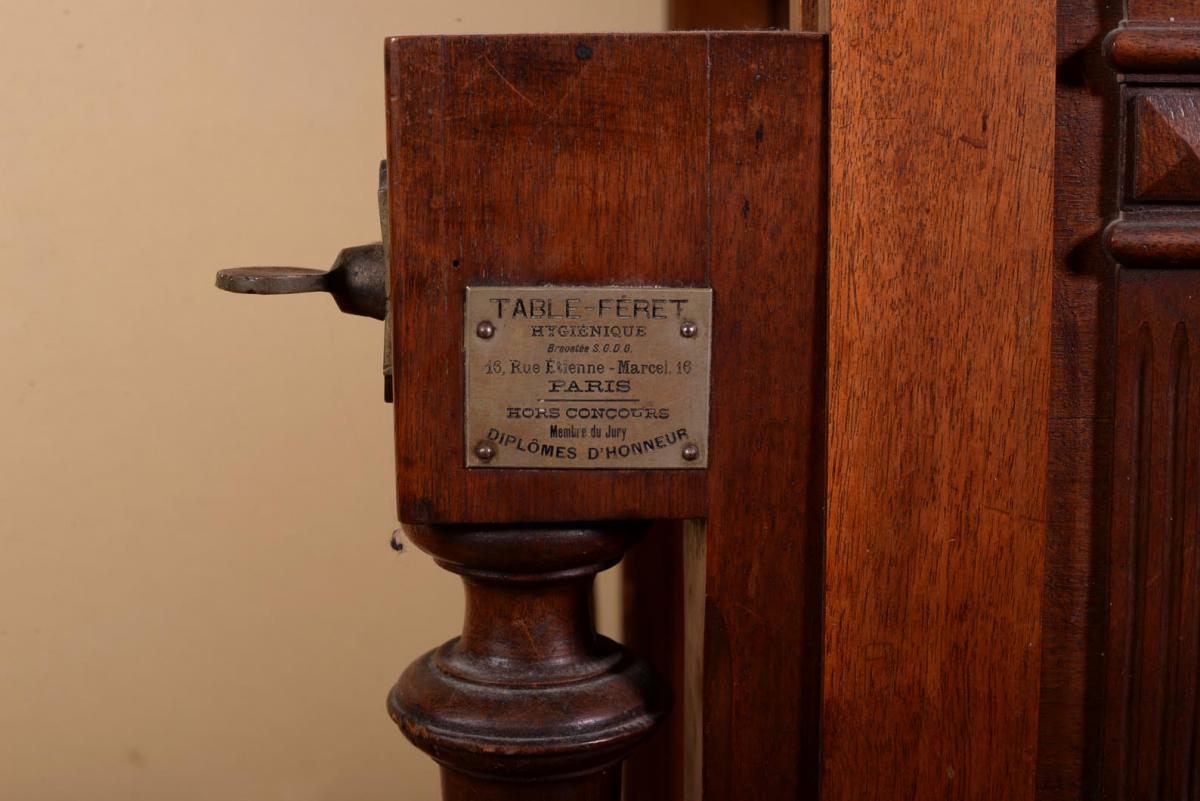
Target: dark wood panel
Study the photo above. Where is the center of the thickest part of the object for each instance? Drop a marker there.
(1150, 708)
(1151, 723)
(654, 619)
(1087, 137)
(764, 547)
(939, 376)
(652, 624)
(545, 159)
(1118, 716)
(795, 15)
(529, 160)
(727, 14)
(1164, 130)
(1164, 10)
(682, 159)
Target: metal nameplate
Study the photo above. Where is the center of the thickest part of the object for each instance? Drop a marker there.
(587, 377)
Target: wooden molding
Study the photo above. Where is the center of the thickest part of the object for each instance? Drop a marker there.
(1137, 48)
(1151, 724)
(529, 694)
(1155, 244)
(1164, 131)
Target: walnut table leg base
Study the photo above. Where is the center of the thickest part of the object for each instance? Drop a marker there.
(529, 702)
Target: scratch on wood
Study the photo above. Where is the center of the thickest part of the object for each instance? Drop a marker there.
(507, 82)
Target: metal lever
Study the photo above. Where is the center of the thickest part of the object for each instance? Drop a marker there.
(357, 281)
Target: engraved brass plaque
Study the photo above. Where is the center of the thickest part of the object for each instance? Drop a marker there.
(587, 377)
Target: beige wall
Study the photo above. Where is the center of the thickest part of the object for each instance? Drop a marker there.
(197, 598)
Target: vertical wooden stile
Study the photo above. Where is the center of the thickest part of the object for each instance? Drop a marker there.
(941, 213)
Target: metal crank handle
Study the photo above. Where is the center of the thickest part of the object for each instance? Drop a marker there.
(357, 281)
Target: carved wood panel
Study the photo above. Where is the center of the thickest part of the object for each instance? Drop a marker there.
(1150, 743)
(1165, 136)
(1152, 662)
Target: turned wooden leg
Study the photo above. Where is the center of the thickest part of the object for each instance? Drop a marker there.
(529, 702)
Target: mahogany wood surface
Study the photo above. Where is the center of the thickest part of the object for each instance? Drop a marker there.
(529, 703)
(1151, 717)
(652, 625)
(1087, 134)
(654, 619)
(940, 269)
(1164, 131)
(1151, 47)
(762, 624)
(1164, 11)
(525, 160)
(677, 159)
(1150, 738)
(554, 159)
(1156, 241)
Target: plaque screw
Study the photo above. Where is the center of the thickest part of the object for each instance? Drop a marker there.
(485, 451)
(485, 330)
(688, 330)
(690, 452)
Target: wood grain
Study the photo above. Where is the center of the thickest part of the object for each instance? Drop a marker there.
(529, 704)
(655, 620)
(543, 159)
(762, 625)
(1150, 713)
(528, 160)
(1151, 723)
(681, 160)
(652, 624)
(1087, 139)
(1165, 147)
(939, 375)
(1169, 11)
(1160, 240)
(1151, 47)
